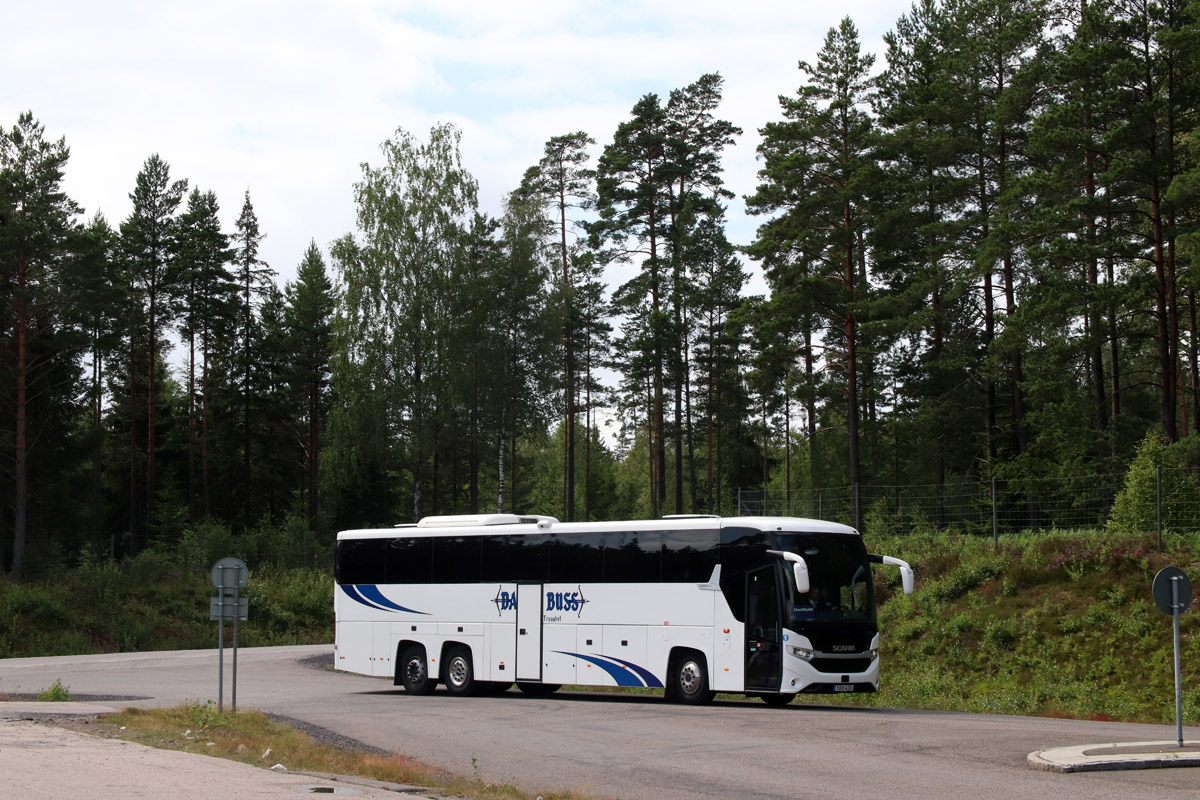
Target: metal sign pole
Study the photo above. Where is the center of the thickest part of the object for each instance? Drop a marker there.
(229, 575)
(1178, 685)
(237, 612)
(221, 648)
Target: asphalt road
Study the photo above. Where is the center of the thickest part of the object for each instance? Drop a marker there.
(633, 747)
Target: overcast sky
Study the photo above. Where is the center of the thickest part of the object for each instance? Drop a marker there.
(287, 99)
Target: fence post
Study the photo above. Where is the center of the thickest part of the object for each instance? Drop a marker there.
(995, 519)
(1158, 503)
(855, 518)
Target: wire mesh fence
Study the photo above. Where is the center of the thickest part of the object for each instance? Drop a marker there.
(995, 506)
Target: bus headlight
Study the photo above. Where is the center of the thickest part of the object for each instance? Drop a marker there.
(802, 653)
(874, 653)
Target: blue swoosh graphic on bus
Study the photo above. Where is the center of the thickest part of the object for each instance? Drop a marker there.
(624, 673)
(369, 595)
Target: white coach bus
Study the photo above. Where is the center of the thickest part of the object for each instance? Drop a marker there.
(693, 605)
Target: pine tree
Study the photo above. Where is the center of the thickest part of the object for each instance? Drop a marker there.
(206, 297)
(100, 306)
(37, 233)
(696, 141)
(562, 183)
(633, 199)
(819, 164)
(148, 242)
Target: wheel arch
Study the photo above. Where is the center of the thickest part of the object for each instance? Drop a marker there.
(401, 646)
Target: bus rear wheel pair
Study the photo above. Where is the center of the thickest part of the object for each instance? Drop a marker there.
(458, 672)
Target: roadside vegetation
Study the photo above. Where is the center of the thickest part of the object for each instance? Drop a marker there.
(1048, 623)
(252, 738)
(158, 600)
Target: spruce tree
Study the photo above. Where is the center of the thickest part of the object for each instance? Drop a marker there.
(309, 320)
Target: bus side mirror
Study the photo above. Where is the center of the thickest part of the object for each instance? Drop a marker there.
(799, 569)
(800, 572)
(906, 573)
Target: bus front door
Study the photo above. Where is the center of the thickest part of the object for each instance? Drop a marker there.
(764, 655)
(529, 632)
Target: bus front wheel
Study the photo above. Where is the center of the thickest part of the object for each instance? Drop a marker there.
(689, 680)
(460, 672)
(414, 671)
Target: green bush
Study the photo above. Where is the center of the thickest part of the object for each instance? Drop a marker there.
(1135, 509)
(56, 693)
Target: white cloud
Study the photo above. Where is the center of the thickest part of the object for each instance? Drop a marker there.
(287, 99)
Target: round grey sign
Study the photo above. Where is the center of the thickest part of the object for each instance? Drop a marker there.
(1163, 593)
(231, 572)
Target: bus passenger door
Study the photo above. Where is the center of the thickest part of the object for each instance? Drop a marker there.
(764, 655)
(529, 632)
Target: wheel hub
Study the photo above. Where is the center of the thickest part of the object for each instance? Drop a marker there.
(689, 678)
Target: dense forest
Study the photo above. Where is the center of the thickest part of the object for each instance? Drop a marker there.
(980, 255)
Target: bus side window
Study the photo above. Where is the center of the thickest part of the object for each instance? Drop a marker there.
(576, 558)
(360, 561)
(456, 559)
(689, 556)
(515, 558)
(408, 560)
(633, 557)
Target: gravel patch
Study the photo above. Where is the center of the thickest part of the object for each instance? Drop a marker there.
(327, 737)
(321, 661)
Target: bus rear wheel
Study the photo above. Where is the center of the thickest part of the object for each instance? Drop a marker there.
(414, 671)
(689, 680)
(460, 672)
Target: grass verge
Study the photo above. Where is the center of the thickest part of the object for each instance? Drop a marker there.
(252, 738)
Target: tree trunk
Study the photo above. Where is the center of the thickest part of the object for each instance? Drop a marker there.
(20, 477)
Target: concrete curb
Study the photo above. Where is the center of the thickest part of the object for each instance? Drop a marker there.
(17, 709)
(1119, 756)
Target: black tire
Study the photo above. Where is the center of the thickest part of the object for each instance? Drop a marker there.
(778, 700)
(459, 672)
(496, 687)
(688, 681)
(414, 671)
(538, 689)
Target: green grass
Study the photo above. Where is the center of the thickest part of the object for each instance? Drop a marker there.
(252, 738)
(151, 603)
(1049, 624)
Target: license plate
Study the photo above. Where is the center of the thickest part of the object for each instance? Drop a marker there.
(843, 687)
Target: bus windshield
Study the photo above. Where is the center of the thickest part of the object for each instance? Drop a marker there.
(840, 576)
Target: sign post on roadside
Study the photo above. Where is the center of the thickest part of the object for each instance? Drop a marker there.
(229, 576)
(1173, 595)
